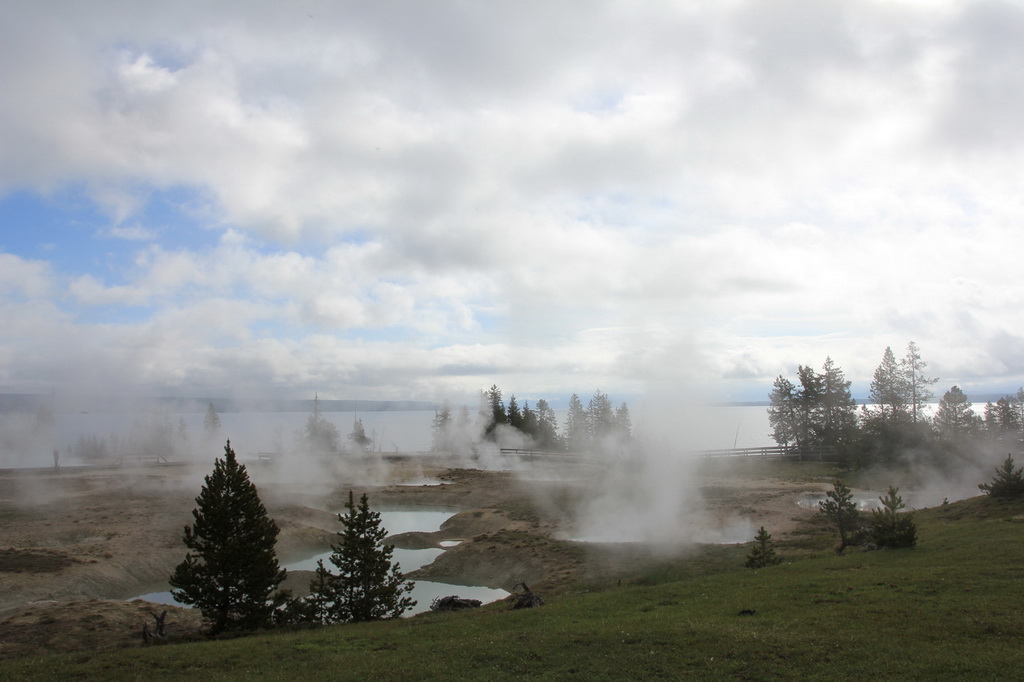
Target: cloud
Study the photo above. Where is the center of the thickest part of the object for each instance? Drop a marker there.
(130, 232)
(617, 194)
(25, 278)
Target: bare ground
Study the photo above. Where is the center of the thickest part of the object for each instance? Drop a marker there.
(75, 544)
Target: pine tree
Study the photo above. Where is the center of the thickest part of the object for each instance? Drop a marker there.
(547, 427)
(623, 422)
(763, 553)
(368, 586)
(360, 441)
(493, 410)
(211, 421)
(841, 511)
(530, 424)
(441, 429)
(1008, 482)
(231, 569)
(576, 437)
(838, 410)
(321, 588)
(320, 435)
(515, 415)
(600, 418)
(1002, 419)
(954, 418)
(918, 384)
(889, 527)
(782, 412)
(891, 391)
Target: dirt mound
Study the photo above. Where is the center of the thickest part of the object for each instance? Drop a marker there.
(90, 625)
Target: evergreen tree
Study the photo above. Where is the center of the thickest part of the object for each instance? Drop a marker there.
(515, 415)
(809, 400)
(954, 418)
(1018, 400)
(529, 424)
(360, 441)
(320, 436)
(1008, 482)
(782, 412)
(889, 425)
(841, 511)
(368, 586)
(600, 418)
(546, 435)
(763, 553)
(838, 408)
(576, 435)
(493, 410)
(441, 428)
(231, 569)
(1002, 419)
(320, 600)
(891, 391)
(889, 527)
(819, 412)
(623, 422)
(211, 422)
(918, 385)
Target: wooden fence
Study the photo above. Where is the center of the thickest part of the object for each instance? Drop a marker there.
(817, 454)
(140, 459)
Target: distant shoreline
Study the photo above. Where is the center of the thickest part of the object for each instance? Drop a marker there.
(27, 402)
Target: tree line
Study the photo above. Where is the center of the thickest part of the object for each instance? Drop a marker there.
(817, 412)
(599, 425)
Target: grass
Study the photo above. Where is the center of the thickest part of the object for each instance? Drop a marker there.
(949, 609)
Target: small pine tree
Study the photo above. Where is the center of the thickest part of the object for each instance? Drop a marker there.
(441, 428)
(320, 436)
(1008, 482)
(889, 528)
(320, 589)
(368, 586)
(211, 421)
(763, 553)
(841, 511)
(231, 569)
(360, 441)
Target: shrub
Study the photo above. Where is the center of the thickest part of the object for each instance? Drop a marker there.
(841, 511)
(889, 528)
(1008, 482)
(763, 553)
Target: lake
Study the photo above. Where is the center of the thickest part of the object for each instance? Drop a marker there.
(687, 429)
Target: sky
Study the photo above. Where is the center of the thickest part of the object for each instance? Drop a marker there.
(404, 200)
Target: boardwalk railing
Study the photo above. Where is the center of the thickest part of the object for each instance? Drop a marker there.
(540, 454)
(140, 459)
(815, 454)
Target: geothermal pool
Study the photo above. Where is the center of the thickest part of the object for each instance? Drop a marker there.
(395, 522)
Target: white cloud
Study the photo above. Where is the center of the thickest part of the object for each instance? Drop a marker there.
(26, 278)
(611, 193)
(130, 232)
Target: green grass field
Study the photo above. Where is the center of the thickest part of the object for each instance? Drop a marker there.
(950, 609)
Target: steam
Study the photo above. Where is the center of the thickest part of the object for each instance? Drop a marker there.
(652, 496)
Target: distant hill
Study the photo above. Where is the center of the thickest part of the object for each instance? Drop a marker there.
(25, 402)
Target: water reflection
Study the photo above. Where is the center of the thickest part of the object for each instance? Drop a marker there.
(395, 522)
(864, 501)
